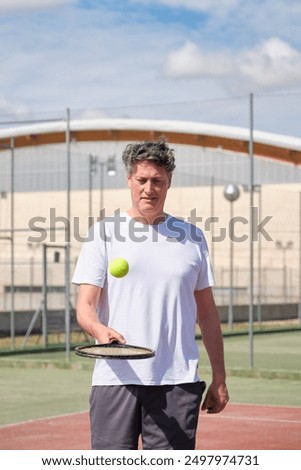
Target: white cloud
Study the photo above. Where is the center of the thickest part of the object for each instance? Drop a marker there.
(271, 64)
(191, 61)
(100, 57)
(195, 5)
(12, 5)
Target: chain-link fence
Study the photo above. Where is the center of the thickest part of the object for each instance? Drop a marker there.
(56, 173)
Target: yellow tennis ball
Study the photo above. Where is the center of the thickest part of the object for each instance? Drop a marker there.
(119, 267)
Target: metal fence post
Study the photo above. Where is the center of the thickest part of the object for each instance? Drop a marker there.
(68, 241)
(251, 279)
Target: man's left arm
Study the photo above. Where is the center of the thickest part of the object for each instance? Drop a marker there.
(209, 323)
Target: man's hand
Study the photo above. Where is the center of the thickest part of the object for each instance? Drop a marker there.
(216, 398)
(106, 335)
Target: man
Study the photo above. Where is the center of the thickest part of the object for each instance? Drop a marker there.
(157, 305)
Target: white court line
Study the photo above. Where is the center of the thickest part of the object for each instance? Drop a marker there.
(259, 405)
(250, 418)
(202, 415)
(47, 418)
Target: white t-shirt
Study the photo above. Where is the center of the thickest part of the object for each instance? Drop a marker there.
(154, 304)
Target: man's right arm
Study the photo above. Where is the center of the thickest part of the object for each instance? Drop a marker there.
(87, 318)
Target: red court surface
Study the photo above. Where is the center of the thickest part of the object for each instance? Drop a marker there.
(241, 427)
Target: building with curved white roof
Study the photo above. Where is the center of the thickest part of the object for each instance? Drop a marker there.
(206, 150)
(208, 157)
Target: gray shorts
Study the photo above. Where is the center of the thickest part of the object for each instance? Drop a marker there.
(165, 416)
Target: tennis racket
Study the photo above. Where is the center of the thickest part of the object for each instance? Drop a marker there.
(114, 351)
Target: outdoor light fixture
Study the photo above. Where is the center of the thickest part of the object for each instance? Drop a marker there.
(110, 165)
(288, 246)
(231, 193)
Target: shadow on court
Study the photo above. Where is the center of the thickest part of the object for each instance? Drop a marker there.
(254, 427)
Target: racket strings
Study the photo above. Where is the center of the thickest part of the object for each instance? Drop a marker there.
(116, 351)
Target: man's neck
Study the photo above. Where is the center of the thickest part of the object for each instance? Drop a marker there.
(147, 219)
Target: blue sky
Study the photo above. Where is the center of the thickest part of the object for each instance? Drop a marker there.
(118, 56)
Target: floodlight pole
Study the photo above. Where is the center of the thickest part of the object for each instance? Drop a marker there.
(11, 147)
(284, 248)
(68, 240)
(108, 164)
(12, 243)
(44, 299)
(259, 295)
(231, 193)
(251, 263)
(92, 171)
(299, 304)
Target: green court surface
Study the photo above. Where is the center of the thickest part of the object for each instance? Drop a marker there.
(39, 385)
(271, 352)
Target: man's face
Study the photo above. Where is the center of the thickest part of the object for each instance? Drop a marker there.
(148, 184)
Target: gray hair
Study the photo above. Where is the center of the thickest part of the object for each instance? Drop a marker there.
(156, 152)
